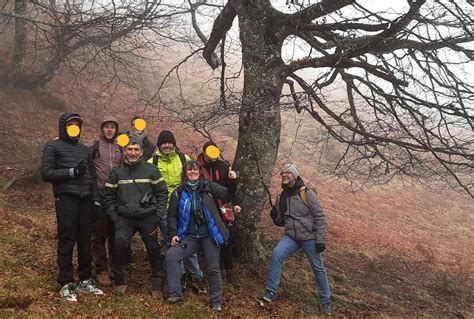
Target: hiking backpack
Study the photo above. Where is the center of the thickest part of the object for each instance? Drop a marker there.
(303, 190)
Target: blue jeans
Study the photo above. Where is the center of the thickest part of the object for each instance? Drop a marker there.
(288, 246)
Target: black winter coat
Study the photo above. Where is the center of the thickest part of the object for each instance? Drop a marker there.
(218, 172)
(127, 185)
(62, 154)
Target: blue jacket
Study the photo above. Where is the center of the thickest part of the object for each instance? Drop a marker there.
(179, 212)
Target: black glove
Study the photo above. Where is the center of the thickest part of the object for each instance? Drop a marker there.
(80, 169)
(320, 248)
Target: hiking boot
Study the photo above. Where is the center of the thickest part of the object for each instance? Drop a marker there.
(197, 285)
(174, 299)
(325, 308)
(89, 286)
(217, 308)
(68, 292)
(269, 296)
(103, 279)
(120, 290)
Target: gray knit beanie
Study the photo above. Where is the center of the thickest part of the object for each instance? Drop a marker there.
(290, 168)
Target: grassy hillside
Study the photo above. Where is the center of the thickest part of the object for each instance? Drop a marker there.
(398, 250)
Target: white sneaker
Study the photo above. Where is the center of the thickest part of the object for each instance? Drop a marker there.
(89, 286)
(68, 292)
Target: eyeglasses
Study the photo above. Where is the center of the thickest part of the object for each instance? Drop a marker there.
(285, 173)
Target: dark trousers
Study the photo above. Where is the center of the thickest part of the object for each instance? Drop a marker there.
(125, 228)
(103, 234)
(74, 218)
(227, 251)
(190, 246)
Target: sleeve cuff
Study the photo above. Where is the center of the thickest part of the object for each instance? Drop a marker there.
(71, 172)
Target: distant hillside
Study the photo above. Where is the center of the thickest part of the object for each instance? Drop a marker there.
(396, 250)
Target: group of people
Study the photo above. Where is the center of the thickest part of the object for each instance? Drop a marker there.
(106, 193)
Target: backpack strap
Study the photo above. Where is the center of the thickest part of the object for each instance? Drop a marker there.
(95, 150)
(303, 190)
(182, 158)
(155, 160)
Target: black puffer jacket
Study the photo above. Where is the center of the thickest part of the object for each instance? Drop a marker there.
(62, 154)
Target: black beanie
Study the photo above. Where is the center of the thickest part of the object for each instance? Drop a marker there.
(208, 143)
(166, 137)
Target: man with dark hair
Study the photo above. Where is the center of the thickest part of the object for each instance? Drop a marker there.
(68, 165)
(135, 200)
(106, 155)
(299, 211)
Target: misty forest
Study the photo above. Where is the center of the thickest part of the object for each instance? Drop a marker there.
(373, 101)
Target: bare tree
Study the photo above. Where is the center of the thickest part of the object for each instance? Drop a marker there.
(404, 94)
(80, 33)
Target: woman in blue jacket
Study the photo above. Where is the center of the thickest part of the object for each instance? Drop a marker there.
(194, 224)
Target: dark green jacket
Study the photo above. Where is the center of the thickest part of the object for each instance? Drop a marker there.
(128, 184)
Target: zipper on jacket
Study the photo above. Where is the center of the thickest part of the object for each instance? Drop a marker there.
(289, 213)
(111, 155)
(189, 220)
(81, 182)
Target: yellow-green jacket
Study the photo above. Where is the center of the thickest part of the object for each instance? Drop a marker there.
(170, 166)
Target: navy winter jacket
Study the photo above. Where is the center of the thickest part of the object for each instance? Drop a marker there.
(179, 212)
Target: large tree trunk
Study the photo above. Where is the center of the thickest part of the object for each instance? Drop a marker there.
(259, 123)
(16, 73)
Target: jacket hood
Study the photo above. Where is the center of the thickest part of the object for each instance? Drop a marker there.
(291, 189)
(63, 119)
(143, 137)
(108, 119)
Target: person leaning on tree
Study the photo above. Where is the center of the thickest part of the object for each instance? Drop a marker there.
(305, 228)
(135, 200)
(106, 155)
(68, 165)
